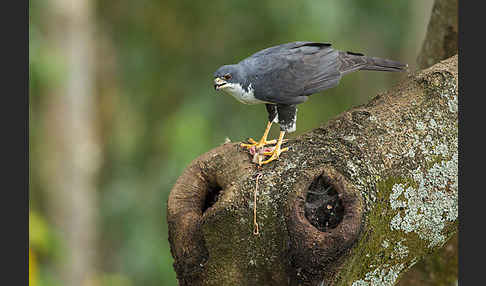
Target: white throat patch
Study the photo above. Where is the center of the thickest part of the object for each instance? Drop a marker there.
(237, 91)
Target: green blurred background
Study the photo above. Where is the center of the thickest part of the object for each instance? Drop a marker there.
(126, 86)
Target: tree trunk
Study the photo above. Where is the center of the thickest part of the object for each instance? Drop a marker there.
(441, 38)
(71, 150)
(441, 42)
(357, 201)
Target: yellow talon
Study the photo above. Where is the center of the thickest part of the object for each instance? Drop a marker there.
(257, 144)
(252, 141)
(276, 151)
(262, 141)
(271, 152)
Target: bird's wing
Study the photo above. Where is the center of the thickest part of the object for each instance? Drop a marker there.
(286, 47)
(323, 70)
(275, 80)
(286, 74)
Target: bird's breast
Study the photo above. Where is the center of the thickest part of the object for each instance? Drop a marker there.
(242, 95)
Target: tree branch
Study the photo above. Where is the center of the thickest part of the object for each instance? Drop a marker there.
(359, 200)
(440, 268)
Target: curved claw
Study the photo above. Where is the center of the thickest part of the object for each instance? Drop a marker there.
(275, 154)
(257, 145)
(262, 142)
(252, 141)
(272, 152)
(276, 151)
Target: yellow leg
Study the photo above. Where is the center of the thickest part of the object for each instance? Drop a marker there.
(262, 141)
(276, 151)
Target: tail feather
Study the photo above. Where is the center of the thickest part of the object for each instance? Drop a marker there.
(354, 61)
(379, 64)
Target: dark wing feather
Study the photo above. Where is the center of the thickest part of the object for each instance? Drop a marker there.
(323, 71)
(286, 47)
(281, 74)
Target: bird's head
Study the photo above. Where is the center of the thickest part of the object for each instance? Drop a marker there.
(227, 76)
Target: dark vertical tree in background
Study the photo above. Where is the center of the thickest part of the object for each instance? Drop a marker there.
(441, 39)
(71, 150)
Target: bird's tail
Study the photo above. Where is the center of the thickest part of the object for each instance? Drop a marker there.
(379, 64)
(354, 61)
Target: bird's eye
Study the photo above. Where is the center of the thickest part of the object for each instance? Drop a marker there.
(227, 76)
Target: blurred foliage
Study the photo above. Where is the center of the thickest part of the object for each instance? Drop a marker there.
(157, 109)
(32, 269)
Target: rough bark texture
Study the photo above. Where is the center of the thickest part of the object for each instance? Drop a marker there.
(441, 267)
(441, 40)
(393, 164)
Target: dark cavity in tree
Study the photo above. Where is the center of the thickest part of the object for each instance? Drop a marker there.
(212, 196)
(323, 207)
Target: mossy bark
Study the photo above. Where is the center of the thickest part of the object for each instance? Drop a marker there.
(441, 42)
(393, 163)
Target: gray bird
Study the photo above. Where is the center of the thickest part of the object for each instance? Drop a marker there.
(286, 75)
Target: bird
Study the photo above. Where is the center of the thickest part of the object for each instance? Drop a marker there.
(285, 75)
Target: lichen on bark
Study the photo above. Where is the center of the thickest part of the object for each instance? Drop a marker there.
(414, 204)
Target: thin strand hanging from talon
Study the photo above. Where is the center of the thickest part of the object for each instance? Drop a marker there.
(263, 141)
(276, 151)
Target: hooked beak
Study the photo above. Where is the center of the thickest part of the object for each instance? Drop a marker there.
(218, 83)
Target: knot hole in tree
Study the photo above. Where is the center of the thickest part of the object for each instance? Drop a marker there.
(213, 192)
(323, 207)
(324, 222)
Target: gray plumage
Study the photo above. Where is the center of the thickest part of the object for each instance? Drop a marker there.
(288, 74)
